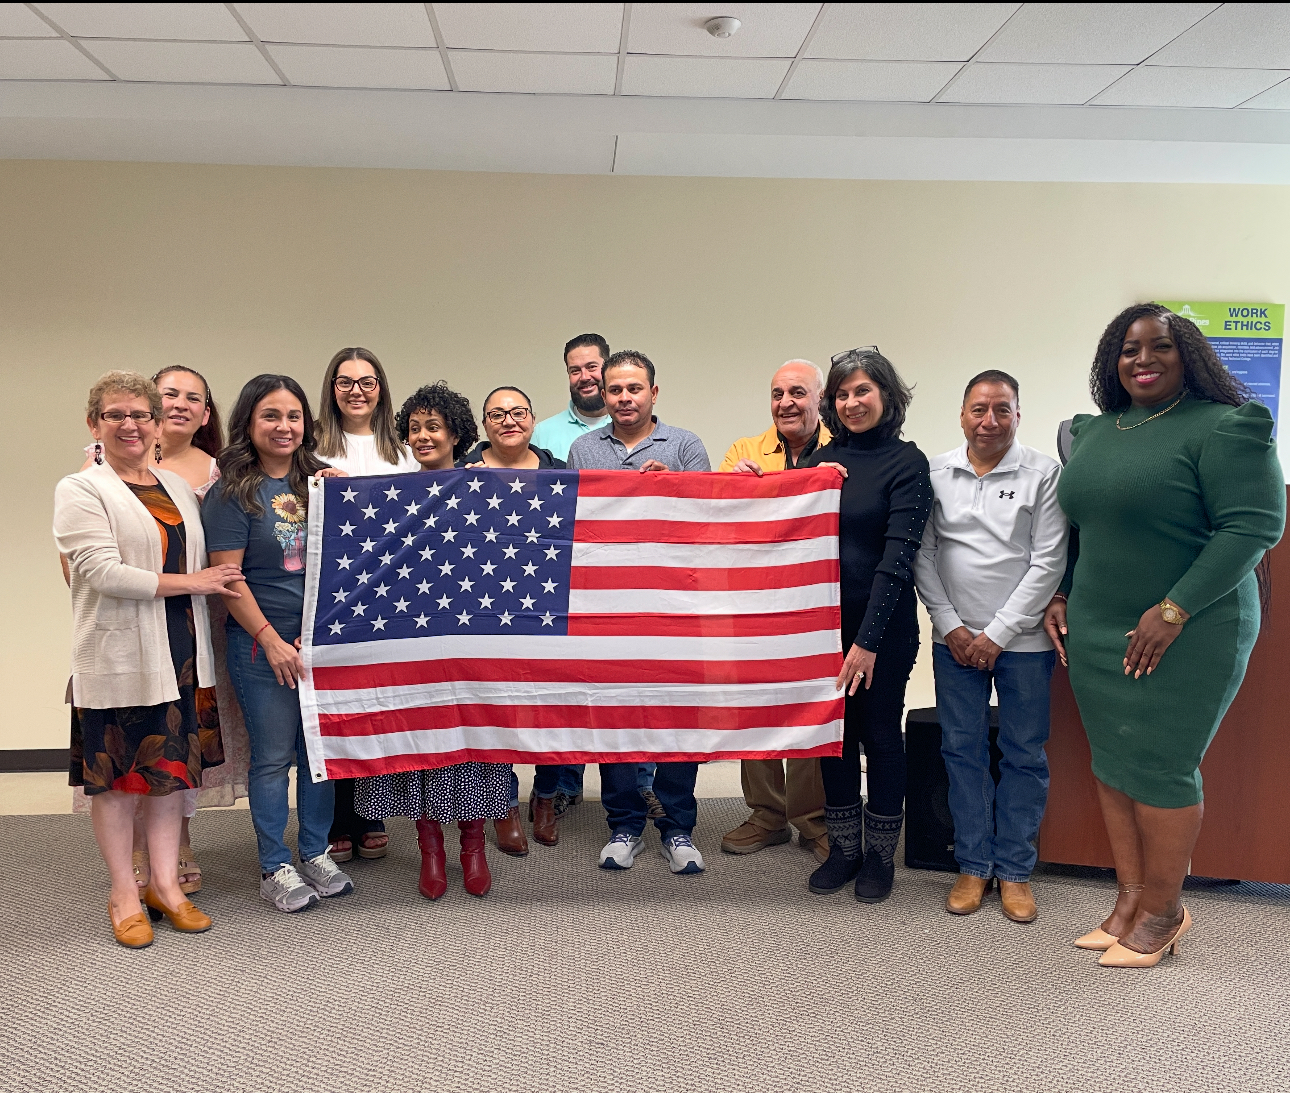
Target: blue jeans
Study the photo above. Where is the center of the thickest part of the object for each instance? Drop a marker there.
(995, 829)
(570, 780)
(625, 808)
(272, 714)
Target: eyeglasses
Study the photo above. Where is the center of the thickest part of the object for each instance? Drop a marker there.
(853, 354)
(516, 413)
(367, 383)
(138, 416)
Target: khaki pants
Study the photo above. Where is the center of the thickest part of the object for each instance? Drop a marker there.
(776, 801)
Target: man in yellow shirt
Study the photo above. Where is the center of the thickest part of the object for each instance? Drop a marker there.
(776, 800)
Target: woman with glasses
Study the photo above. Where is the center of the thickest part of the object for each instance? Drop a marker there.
(356, 435)
(508, 425)
(886, 499)
(132, 535)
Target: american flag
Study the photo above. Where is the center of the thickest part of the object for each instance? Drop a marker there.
(570, 617)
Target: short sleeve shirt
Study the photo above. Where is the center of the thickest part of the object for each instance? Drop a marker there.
(677, 449)
(274, 544)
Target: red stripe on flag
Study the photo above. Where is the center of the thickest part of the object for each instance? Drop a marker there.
(729, 487)
(783, 623)
(467, 714)
(493, 670)
(645, 532)
(395, 764)
(719, 579)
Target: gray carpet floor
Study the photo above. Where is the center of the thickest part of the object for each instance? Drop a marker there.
(571, 978)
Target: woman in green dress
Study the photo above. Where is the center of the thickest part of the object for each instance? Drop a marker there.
(1174, 493)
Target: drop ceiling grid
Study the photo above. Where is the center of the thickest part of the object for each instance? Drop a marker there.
(1153, 55)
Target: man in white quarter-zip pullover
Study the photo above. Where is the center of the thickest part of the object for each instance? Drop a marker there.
(993, 554)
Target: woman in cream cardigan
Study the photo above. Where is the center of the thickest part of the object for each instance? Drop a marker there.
(132, 536)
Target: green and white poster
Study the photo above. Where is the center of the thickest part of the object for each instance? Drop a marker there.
(1247, 338)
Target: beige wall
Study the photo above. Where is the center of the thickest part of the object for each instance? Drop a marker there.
(479, 279)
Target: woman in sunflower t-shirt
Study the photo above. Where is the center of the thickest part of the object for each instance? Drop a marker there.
(257, 516)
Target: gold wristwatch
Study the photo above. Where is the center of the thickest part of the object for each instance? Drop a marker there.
(1171, 613)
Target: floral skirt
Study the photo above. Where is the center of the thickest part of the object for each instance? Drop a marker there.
(464, 791)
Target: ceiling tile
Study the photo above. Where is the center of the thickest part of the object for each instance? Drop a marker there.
(560, 28)
(341, 24)
(198, 22)
(17, 21)
(1051, 85)
(33, 59)
(1275, 98)
(341, 66)
(705, 77)
(1152, 86)
(1235, 36)
(1091, 33)
(534, 73)
(769, 30)
(907, 32)
(870, 81)
(185, 62)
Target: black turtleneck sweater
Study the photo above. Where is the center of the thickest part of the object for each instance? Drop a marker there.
(886, 499)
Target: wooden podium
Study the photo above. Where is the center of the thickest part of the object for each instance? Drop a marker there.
(1246, 835)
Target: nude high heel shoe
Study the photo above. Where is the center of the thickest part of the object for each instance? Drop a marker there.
(1099, 940)
(1117, 956)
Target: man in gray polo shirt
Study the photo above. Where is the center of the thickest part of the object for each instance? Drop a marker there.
(636, 440)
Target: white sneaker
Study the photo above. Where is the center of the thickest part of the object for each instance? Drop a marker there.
(621, 851)
(681, 855)
(287, 891)
(324, 876)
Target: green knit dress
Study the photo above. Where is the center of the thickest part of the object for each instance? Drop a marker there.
(1183, 506)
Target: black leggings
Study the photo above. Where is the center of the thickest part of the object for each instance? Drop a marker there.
(873, 721)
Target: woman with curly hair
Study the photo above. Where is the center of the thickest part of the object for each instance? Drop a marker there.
(257, 517)
(1174, 493)
(438, 425)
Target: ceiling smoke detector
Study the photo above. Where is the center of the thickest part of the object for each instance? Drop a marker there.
(723, 26)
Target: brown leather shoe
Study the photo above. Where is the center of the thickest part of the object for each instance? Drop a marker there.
(748, 838)
(545, 829)
(966, 895)
(510, 834)
(134, 932)
(185, 918)
(1018, 900)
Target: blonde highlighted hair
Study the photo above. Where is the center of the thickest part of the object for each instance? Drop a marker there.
(128, 383)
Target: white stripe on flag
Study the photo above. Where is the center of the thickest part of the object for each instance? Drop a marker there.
(706, 555)
(675, 601)
(516, 693)
(558, 647)
(708, 510)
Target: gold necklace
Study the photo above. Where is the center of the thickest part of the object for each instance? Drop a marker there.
(1126, 428)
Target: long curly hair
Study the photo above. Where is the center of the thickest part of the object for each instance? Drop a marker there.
(1204, 375)
(452, 407)
(239, 463)
(210, 437)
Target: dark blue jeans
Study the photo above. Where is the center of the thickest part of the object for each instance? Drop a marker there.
(272, 715)
(995, 829)
(625, 808)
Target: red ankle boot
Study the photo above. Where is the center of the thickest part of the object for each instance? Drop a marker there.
(474, 865)
(433, 881)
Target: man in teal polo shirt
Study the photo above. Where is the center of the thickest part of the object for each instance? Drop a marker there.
(584, 356)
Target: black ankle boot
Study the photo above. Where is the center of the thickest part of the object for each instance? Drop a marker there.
(835, 873)
(873, 882)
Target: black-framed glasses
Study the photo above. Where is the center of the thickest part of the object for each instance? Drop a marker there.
(517, 414)
(118, 416)
(850, 355)
(366, 383)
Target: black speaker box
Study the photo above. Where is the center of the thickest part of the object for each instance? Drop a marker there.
(929, 827)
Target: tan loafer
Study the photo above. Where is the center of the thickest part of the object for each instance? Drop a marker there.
(748, 838)
(966, 895)
(1018, 900)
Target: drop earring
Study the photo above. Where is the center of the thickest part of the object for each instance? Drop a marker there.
(157, 451)
(98, 453)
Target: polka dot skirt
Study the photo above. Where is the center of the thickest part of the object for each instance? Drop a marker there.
(465, 791)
